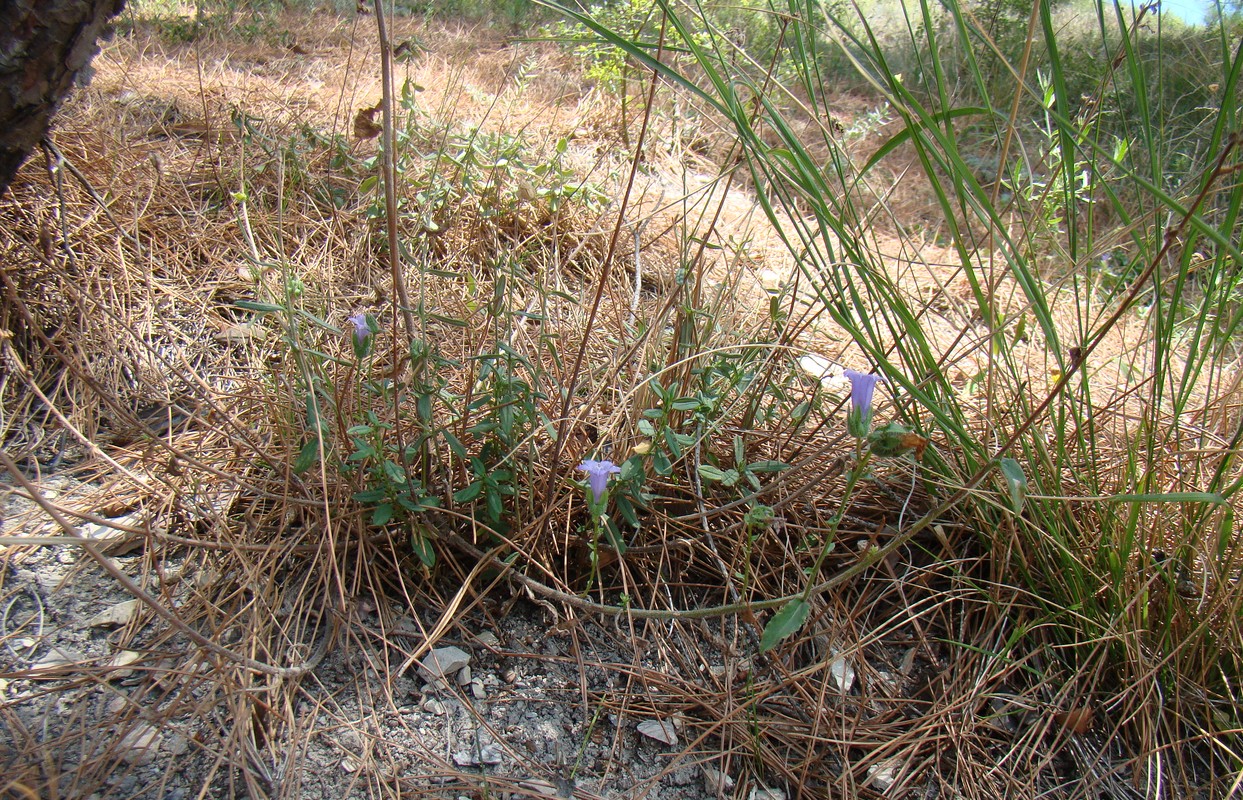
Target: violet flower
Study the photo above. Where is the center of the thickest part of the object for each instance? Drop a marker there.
(362, 328)
(598, 473)
(862, 387)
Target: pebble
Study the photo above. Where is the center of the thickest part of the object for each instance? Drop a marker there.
(543, 787)
(842, 673)
(443, 662)
(122, 660)
(140, 744)
(884, 774)
(716, 782)
(660, 730)
(177, 745)
(56, 660)
(490, 754)
(767, 794)
(116, 615)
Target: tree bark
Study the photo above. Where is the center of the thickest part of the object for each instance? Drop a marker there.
(45, 46)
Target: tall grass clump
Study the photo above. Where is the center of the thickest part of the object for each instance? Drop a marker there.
(1082, 407)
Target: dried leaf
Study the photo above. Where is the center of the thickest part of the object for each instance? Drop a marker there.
(365, 126)
(1077, 720)
(661, 731)
(242, 332)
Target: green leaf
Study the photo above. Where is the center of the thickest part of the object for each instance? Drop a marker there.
(684, 440)
(661, 463)
(422, 548)
(394, 472)
(647, 428)
(626, 509)
(382, 514)
(631, 468)
(785, 622)
(1017, 481)
(455, 444)
(615, 538)
(495, 506)
(685, 404)
(468, 494)
(711, 473)
(306, 457)
(262, 308)
(767, 465)
(673, 443)
(360, 430)
(370, 496)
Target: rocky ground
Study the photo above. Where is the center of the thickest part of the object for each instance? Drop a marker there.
(514, 700)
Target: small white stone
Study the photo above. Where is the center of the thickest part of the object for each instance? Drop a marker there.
(543, 787)
(116, 615)
(885, 774)
(443, 662)
(842, 673)
(489, 639)
(716, 782)
(56, 661)
(660, 730)
(490, 754)
(463, 676)
(477, 691)
(830, 374)
(140, 744)
(123, 659)
(766, 794)
(177, 745)
(433, 706)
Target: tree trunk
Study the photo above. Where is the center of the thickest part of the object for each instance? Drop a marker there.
(45, 45)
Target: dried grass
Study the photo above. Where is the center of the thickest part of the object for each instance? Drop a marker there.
(124, 356)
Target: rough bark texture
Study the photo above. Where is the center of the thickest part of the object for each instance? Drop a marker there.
(45, 45)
